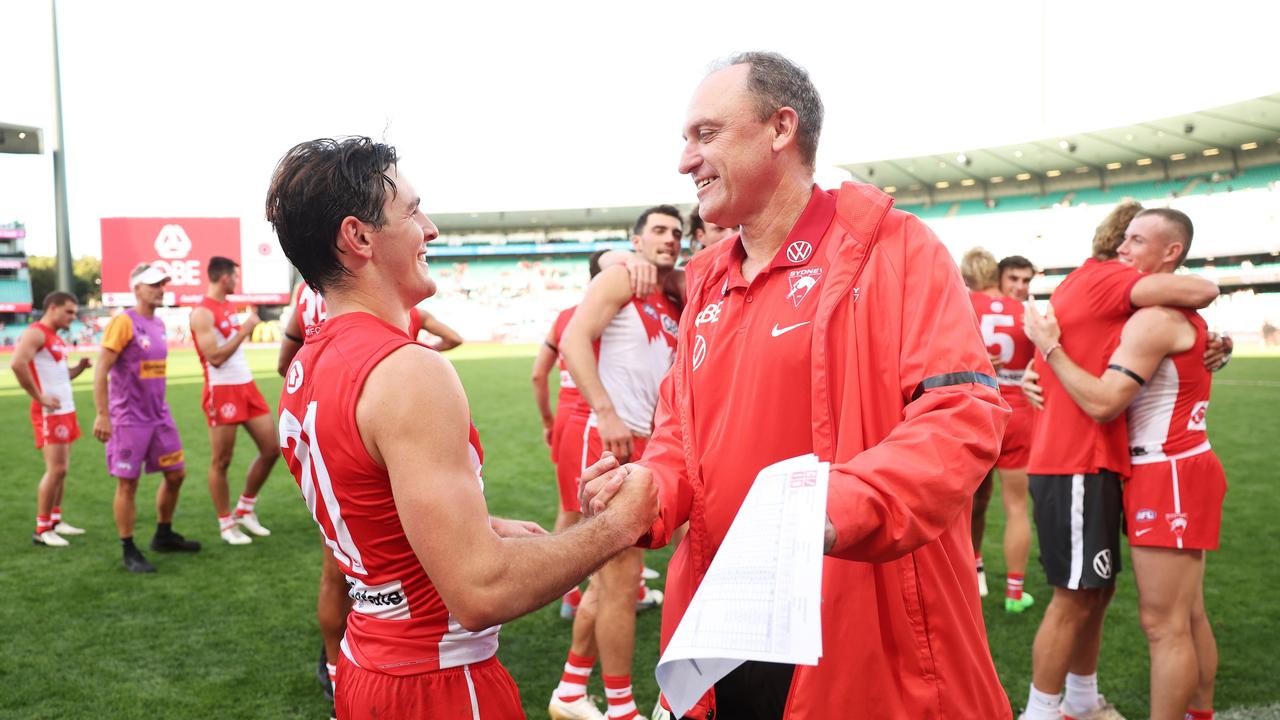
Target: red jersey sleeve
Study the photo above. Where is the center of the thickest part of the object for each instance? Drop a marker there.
(1110, 294)
(905, 490)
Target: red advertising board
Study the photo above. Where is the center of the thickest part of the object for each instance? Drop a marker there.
(181, 247)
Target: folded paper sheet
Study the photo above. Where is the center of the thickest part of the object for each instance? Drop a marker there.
(762, 596)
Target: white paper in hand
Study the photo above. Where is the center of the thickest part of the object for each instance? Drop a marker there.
(762, 596)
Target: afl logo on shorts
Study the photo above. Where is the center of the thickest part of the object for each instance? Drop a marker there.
(228, 411)
(799, 251)
(699, 351)
(1102, 564)
(293, 380)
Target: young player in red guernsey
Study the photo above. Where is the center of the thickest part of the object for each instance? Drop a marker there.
(1000, 320)
(303, 320)
(1173, 499)
(40, 365)
(395, 490)
(231, 399)
(1077, 467)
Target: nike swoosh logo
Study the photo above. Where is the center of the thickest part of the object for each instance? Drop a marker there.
(782, 331)
(1142, 532)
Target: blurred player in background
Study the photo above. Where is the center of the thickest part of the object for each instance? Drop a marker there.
(1173, 500)
(133, 417)
(40, 365)
(1000, 320)
(703, 234)
(1077, 466)
(1016, 273)
(231, 399)
(619, 384)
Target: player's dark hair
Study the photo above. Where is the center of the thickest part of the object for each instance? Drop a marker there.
(1110, 234)
(219, 267)
(696, 223)
(1016, 262)
(317, 185)
(593, 264)
(1181, 225)
(58, 298)
(775, 82)
(656, 210)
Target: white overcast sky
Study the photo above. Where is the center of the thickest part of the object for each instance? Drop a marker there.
(183, 108)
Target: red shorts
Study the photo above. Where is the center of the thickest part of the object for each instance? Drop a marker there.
(53, 429)
(482, 690)
(569, 450)
(1176, 503)
(233, 404)
(1015, 452)
(578, 448)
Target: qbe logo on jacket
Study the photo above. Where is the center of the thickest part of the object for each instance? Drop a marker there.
(173, 246)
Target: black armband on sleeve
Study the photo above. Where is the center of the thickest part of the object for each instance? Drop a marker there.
(295, 339)
(955, 378)
(551, 345)
(1132, 375)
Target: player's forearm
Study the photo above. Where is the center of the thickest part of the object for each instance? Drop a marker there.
(526, 573)
(542, 397)
(1187, 291)
(581, 363)
(100, 388)
(1085, 389)
(75, 372)
(25, 381)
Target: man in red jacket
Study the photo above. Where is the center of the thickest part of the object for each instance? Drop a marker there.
(833, 325)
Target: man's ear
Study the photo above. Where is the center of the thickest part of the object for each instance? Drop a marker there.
(786, 127)
(353, 238)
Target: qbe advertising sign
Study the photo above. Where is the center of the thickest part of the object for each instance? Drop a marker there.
(182, 247)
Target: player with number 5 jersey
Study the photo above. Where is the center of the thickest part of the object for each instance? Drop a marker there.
(397, 491)
(1000, 321)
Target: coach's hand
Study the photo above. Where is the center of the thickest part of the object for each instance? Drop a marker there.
(1034, 393)
(515, 528)
(615, 436)
(644, 275)
(102, 428)
(635, 500)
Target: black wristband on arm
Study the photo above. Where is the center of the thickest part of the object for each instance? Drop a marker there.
(1132, 375)
(295, 339)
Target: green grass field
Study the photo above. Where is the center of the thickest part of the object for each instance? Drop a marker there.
(230, 632)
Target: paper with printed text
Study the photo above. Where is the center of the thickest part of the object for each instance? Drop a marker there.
(762, 596)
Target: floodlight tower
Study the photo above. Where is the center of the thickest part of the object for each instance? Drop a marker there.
(65, 277)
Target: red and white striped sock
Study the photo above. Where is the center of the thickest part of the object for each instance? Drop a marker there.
(1013, 586)
(573, 683)
(43, 524)
(226, 522)
(1199, 715)
(333, 674)
(977, 562)
(245, 505)
(641, 591)
(573, 598)
(56, 515)
(617, 691)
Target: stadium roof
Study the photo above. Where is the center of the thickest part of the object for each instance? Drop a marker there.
(568, 219)
(1227, 136)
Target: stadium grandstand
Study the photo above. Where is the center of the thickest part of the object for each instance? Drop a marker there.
(504, 275)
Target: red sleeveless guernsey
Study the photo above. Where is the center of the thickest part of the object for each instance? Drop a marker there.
(1167, 418)
(398, 623)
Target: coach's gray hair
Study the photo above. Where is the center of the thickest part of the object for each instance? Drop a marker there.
(776, 82)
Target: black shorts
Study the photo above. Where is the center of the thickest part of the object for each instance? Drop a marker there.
(1078, 524)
